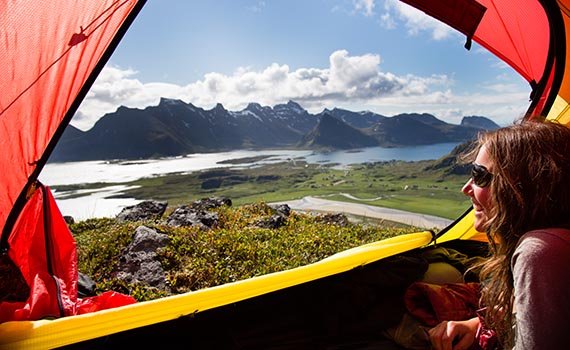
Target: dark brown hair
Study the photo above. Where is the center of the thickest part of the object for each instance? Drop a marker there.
(530, 190)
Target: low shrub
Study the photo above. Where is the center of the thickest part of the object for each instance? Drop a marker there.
(236, 249)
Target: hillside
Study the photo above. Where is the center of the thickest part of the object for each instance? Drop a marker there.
(228, 244)
(333, 133)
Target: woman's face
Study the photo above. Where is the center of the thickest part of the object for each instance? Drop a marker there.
(480, 195)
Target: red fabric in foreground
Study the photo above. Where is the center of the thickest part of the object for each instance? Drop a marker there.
(45, 64)
(433, 303)
(36, 252)
(486, 338)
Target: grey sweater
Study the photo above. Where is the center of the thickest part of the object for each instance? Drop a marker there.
(541, 271)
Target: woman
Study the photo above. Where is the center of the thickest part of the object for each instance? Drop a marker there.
(520, 190)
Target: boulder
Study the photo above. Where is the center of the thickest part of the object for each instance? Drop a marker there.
(139, 263)
(189, 216)
(143, 211)
(211, 202)
(272, 222)
(338, 219)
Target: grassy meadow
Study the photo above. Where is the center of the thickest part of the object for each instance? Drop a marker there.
(395, 184)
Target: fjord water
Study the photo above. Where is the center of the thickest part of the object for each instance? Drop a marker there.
(83, 204)
(376, 154)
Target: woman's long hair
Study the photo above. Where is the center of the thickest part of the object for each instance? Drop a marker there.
(530, 190)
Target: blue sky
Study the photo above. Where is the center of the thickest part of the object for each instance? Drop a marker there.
(378, 55)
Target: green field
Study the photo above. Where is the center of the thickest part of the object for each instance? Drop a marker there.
(395, 184)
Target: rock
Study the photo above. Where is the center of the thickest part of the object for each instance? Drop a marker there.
(143, 211)
(139, 262)
(210, 203)
(69, 219)
(338, 219)
(147, 240)
(85, 286)
(281, 209)
(189, 216)
(272, 222)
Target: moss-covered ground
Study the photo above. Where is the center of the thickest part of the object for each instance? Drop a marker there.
(234, 250)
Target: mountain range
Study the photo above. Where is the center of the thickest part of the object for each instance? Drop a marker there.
(174, 128)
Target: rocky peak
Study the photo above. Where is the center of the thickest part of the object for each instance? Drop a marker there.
(294, 106)
(164, 102)
(219, 108)
(254, 106)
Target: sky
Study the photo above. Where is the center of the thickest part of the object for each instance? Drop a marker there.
(362, 55)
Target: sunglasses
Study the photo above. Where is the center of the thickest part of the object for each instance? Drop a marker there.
(480, 175)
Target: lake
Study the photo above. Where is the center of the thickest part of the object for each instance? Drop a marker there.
(95, 203)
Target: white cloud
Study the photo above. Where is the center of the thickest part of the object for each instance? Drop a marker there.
(353, 82)
(502, 108)
(115, 87)
(414, 20)
(503, 87)
(388, 21)
(364, 6)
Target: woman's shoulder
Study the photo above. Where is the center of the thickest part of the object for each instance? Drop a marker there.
(552, 235)
(540, 281)
(544, 244)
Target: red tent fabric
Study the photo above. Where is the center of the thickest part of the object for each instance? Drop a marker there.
(503, 28)
(44, 249)
(507, 32)
(52, 53)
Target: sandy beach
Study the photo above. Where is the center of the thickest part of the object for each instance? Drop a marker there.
(324, 205)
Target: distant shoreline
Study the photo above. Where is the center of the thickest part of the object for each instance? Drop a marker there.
(97, 188)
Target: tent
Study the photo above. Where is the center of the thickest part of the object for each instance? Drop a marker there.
(51, 55)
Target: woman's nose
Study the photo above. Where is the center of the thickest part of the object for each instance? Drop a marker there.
(468, 187)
